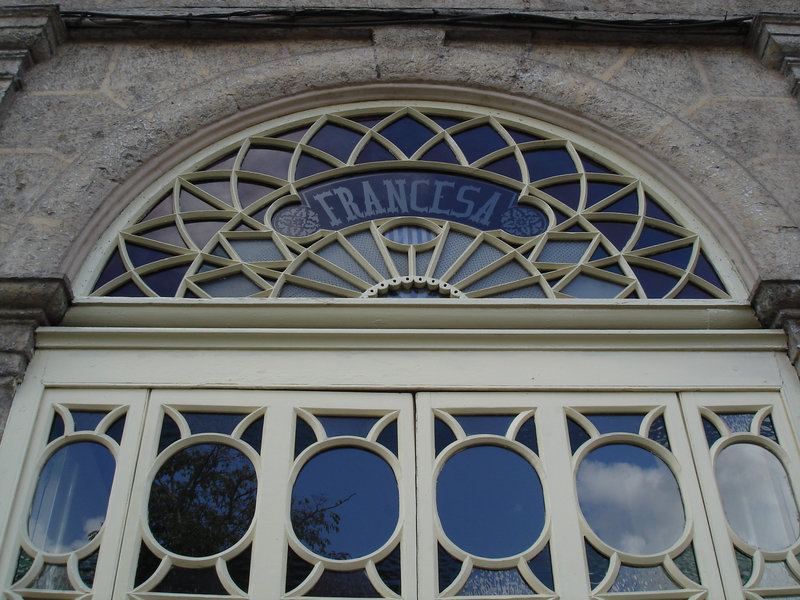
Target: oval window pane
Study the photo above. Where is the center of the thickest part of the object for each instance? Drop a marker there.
(757, 497)
(202, 499)
(71, 498)
(630, 498)
(345, 503)
(490, 501)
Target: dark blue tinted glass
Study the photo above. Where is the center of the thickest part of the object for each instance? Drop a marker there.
(219, 189)
(169, 433)
(712, 433)
(374, 152)
(116, 429)
(129, 290)
(707, 272)
(161, 209)
(297, 570)
(592, 166)
(507, 166)
(445, 122)
(407, 134)
(254, 433)
(481, 494)
(655, 211)
(389, 570)
(651, 236)
(114, 267)
(692, 292)
(71, 497)
(190, 294)
(627, 204)
(269, 161)
(295, 135)
(308, 165)
(357, 426)
(250, 192)
(168, 234)
(239, 569)
(658, 432)
(202, 231)
(599, 254)
(527, 435)
(57, 428)
(344, 584)
(87, 567)
(345, 503)
(655, 283)
(548, 163)
(478, 142)
(336, 141)
(597, 191)
(615, 268)
(477, 424)
(202, 500)
(222, 164)
(441, 152)
(388, 437)
(542, 567)
(449, 568)
(167, 281)
(189, 202)
(521, 136)
(212, 422)
(598, 565)
(568, 193)
(87, 420)
(443, 435)
(768, 429)
(677, 258)
(577, 435)
(368, 121)
(218, 251)
(146, 565)
(687, 563)
(617, 233)
(179, 580)
(616, 423)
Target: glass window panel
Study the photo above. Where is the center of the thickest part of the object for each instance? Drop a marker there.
(737, 422)
(345, 503)
(542, 567)
(116, 429)
(757, 496)
(548, 163)
(449, 568)
(388, 437)
(212, 422)
(507, 166)
(294, 135)
(87, 420)
(712, 433)
(166, 282)
(336, 254)
(344, 584)
(704, 269)
(443, 435)
(592, 166)
(297, 570)
(527, 435)
(598, 565)
(141, 255)
(56, 428)
(410, 234)
(257, 250)
(627, 204)
(400, 260)
(250, 192)
(563, 251)
(655, 283)
(584, 286)
(202, 231)
(253, 434)
(617, 233)
(231, 286)
(87, 568)
(745, 564)
(389, 570)
(52, 577)
(599, 254)
(219, 251)
(507, 273)
(357, 426)
(528, 291)
(370, 121)
(114, 268)
(481, 257)
(71, 498)
(335, 140)
(374, 152)
(478, 424)
(491, 582)
(490, 501)
(630, 498)
(692, 292)
(407, 134)
(189, 202)
(776, 574)
(639, 579)
(269, 161)
(597, 191)
(308, 165)
(677, 258)
(445, 122)
(219, 189)
(304, 436)
(768, 429)
(658, 432)
(146, 565)
(162, 209)
(202, 500)
(311, 270)
(179, 580)
(651, 236)
(478, 142)
(616, 423)
(290, 290)
(568, 193)
(521, 136)
(129, 290)
(654, 211)
(168, 234)
(239, 568)
(441, 152)
(454, 246)
(365, 244)
(223, 164)
(687, 563)
(577, 435)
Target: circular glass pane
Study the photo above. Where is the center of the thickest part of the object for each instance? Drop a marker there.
(490, 501)
(71, 498)
(202, 500)
(757, 496)
(345, 503)
(630, 498)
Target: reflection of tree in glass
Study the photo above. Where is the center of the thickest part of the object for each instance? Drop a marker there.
(313, 518)
(202, 500)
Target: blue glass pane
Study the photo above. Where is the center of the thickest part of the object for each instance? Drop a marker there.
(648, 517)
(563, 251)
(568, 193)
(114, 267)
(650, 236)
(677, 258)
(445, 122)
(252, 435)
(389, 570)
(548, 163)
(614, 268)
(658, 432)
(616, 423)
(219, 189)
(654, 211)
(87, 567)
(202, 499)
(71, 497)
(217, 251)
(129, 290)
(336, 141)
(357, 426)
(189, 202)
(495, 582)
(370, 121)
(617, 233)
(542, 567)
(521, 136)
(166, 281)
(57, 428)
(388, 437)
(250, 192)
(304, 436)
(202, 231)
(232, 286)
(222, 164)
(87, 420)
(407, 134)
(211, 422)
(584, 286)
(597, 191)
(692, 292)
(116, 429)
(655, 283)
(253, 250)
(169, 433)
(168, 234)
(745, 564)
(162, 209)
(598, 565)
(527, 435)
(146, 565)
(441, 152)
(308, 165)
(592, 166)
(478, 142)
(297, 570)
(490, 501)
(704, 269)
(449, 568)
(374, 152)
(627, 204)
(638, 579)
(477, 424)
(599, 254)
(269, 161)
(768, 429)
(344, 584)
(239, 569)
(179, 580)
(294, 135)
(687, 563)
(345, 503)
(712, 433)
(443, 435)
(577, 435)
(507, 166)
(737, 422)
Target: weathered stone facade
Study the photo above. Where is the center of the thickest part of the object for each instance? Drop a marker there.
(90, 102)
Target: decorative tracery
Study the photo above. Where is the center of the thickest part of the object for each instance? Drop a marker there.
(401, 201)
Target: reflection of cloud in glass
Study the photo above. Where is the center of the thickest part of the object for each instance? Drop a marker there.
(630, 499)
(757, 497)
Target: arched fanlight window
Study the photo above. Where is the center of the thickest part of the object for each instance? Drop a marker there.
(393, 200)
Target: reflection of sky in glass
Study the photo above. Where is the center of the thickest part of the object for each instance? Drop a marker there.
(490, 501)
(69, 505)
(757, 497)
(359, 488)
(630, 499)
